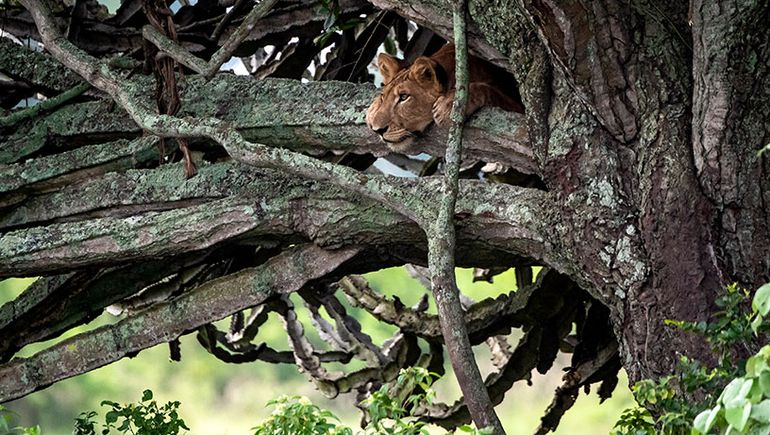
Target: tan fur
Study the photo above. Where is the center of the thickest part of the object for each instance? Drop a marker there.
(414, 96)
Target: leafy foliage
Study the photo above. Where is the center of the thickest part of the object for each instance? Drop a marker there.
(297, 415)
(389, 411)
(744, 403)
(143, 418)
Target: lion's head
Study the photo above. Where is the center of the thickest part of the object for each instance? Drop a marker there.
(404, 107)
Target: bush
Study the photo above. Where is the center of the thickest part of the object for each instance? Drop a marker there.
(733, 397)
(143, 418)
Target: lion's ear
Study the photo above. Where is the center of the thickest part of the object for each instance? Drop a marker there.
(389, 66)
(425, 71)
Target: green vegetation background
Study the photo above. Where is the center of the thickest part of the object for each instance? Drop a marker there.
(219, 398)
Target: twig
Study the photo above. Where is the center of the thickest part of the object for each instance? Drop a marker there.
(226, 20)
(208, 69)
(174, 50)
(226, 50)
(48, 104)
(441, 248)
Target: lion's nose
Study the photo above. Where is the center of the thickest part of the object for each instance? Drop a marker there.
(380, 131)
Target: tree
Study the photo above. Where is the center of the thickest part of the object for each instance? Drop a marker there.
(635, 183)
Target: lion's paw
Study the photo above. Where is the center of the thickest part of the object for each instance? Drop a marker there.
(442, 108)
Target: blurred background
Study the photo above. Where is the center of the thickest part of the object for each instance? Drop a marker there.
(228, 399)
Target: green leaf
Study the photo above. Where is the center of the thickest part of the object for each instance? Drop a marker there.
(764, 382)
(147, 395)
(735, 390)
(755, 365)
(760, 430)
(111, 417)
(746, 388)
(761, 303)
(756, 323)
(738, 416)
(761, 411)
(705, 420)
(756, 395)
(699, 424)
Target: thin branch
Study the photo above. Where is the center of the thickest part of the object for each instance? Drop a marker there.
(326, 331)
(226, 20)
(518, 366)
(350, 328)
(43, 106)
(53, 305)
(209, 337)
(441, 249)
(398, 357)
(304, 353)
(331, 385)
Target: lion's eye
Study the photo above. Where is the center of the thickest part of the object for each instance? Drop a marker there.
(402, 97)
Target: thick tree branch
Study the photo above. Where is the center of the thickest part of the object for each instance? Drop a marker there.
(282, 113)
(592, 45)
(128, 95)
(46, 73)
(436, 16)
(52, 172)
(167, 217)
(107, 240)
(162, 322)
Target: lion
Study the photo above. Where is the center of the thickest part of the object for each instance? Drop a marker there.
(413, 96)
